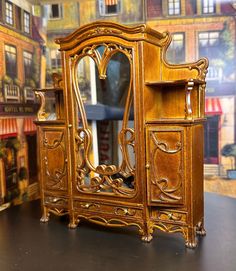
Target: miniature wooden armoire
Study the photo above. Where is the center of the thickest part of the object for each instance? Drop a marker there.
(155, 177)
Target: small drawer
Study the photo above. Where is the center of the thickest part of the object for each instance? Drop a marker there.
(58, 202)
(108, 209)
(170, 216)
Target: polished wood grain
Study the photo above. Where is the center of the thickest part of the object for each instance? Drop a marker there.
(167, 138)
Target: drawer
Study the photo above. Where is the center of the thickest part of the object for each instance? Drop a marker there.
(93, 207)
(54, 201)
(169, 216)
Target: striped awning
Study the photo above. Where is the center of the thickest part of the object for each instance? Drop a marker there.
(213, 106)
(8, 127)
(29, 126)
(111, 2)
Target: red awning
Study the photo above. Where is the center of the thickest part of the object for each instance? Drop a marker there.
(213, 106)
(8, 127)
(29, 126)
(111, 2)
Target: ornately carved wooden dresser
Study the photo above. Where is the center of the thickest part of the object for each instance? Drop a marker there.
(154, 178)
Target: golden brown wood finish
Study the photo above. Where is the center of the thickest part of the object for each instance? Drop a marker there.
(167, 138)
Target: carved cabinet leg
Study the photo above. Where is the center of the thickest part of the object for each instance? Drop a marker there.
(200, 230)
(45, 216)
(73, 222)
(147, 232)
(191, 241)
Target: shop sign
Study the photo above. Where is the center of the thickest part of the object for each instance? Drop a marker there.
(18, 109)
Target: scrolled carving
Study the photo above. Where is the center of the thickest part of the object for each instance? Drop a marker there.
(103, 178)
(101, 31)
(56, 200)
(58, 211)
(125, 211)
(41, 114)
(176, 217)
(167, 192)
(163, 146)
(113, 222)
(170, 228)
(56, 177)
(201, 66)
(99, 183)
(90, 206)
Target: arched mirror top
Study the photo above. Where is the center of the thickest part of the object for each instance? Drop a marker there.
(101, 54)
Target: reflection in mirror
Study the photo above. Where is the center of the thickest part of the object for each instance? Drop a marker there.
(101, 49)
(108, 125)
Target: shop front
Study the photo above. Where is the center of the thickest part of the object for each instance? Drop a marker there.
(18, 160)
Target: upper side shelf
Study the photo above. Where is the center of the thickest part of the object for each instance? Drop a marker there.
(175, 82)
(56, 94)
(55, 89)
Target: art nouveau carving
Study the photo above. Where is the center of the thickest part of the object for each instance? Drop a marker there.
(105, 179)
(55, 175)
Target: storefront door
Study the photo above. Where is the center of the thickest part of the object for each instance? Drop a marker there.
(211, 137)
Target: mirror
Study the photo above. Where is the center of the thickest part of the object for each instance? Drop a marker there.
(104, 94)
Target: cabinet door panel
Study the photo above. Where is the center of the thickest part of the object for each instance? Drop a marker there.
(165, 165)
(54, 159)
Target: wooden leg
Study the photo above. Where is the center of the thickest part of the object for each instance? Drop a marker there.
(146, 233)
(191, 241)
(73, 222)
(45, 216)
(200, 230)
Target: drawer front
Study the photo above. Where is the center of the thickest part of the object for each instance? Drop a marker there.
(171, 216)
(106, 209)
(53, 158)
(165, 165)
(56, 202)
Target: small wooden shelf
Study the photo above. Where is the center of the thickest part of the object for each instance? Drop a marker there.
(48, 89)
(177, 121)
(174, 82)
(50, 122)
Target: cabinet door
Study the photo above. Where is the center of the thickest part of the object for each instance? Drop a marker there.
(165, 165)
(53, 158)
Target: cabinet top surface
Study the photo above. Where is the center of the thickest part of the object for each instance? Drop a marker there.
(140, 32)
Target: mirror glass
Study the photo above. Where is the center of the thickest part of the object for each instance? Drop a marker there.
(105, 91)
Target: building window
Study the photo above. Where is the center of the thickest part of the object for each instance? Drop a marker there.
(9, 13)
(54, 11)
(28, 64)
(208, 6)
(208, 44)
(176, 51)
(109, 7)
(55, 59)
(10, 60)
(174, 7)
(26, 22)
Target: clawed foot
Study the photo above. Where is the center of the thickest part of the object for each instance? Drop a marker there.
(201, 232)
(191, 245)
(73, 224)
(44, 219)
(147, 238)
(200, 229)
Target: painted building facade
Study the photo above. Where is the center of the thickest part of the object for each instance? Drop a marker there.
(21, 48)
(63, 17)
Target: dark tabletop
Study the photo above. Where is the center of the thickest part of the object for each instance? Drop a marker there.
(28, 245)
